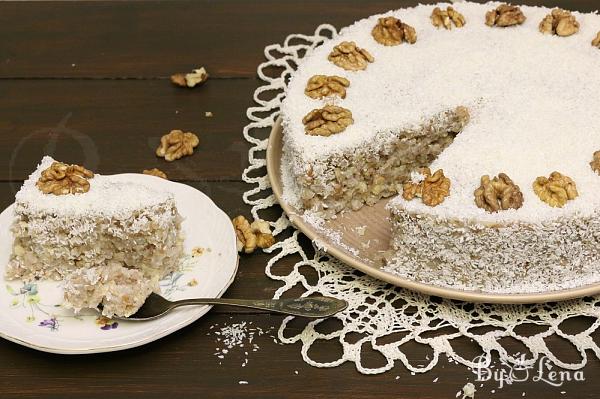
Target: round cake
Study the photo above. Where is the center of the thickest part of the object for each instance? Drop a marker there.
(483, 117)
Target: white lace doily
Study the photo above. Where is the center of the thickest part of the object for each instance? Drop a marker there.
(379, 312)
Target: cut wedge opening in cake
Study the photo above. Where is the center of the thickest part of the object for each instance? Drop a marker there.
(110, 241)
(365, 175)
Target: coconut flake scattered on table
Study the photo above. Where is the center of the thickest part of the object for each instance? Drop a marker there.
(237, 338)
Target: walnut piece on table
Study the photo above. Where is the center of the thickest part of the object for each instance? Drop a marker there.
(596, 41)
(499, 193)
(559, 22)
(320, 86)
(505, 15)
(350, 57)
(192, 79)
(432, 190)
(61, 179)
(445, 18)
(555, 190)
(177, 144)
(252, 235)
(390, 31)
(326, 121)
(155, 172)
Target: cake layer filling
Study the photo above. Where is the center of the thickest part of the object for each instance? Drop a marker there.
(376, 171)
(50, 247)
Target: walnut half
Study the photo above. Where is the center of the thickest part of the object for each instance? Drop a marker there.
(61, 179)
(390, 31)
(192, 79)
(445, 19)
(177, 144)
(327, 120)
(350, 57)
(432, 190)
(555, 190)
(250, 236)
(499, 193)
(504, 15)
(320, 86)
(559, 22)
(596, 41)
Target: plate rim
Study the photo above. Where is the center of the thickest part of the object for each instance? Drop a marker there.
(161, 333)
(273, 170)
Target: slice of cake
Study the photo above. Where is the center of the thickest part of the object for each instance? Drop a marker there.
(110, 240)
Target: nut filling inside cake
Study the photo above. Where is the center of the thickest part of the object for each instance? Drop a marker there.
(110, 245)
(364, 177)
(50, 247)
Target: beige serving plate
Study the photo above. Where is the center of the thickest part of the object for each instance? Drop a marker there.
(364, 251)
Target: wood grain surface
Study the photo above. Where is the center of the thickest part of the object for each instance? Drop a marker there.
(88, 83)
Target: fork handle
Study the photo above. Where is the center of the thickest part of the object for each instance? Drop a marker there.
(314, 307)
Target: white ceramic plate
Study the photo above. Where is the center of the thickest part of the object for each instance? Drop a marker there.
(31, 314)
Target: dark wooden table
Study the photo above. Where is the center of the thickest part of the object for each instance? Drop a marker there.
(88, 83)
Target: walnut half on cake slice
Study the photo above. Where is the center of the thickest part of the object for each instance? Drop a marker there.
(108, 239)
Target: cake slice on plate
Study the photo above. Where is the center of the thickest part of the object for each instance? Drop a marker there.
(109, 240)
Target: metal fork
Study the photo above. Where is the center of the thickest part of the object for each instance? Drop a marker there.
(313, 307)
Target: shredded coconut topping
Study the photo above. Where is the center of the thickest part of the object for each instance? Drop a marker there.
(106, 197)
(531, 97)
(417, 177)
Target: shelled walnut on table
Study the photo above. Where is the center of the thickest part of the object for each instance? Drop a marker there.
(176, 145)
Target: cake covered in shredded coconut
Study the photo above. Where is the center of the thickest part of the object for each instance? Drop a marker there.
(111, 245)
(473, 101)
